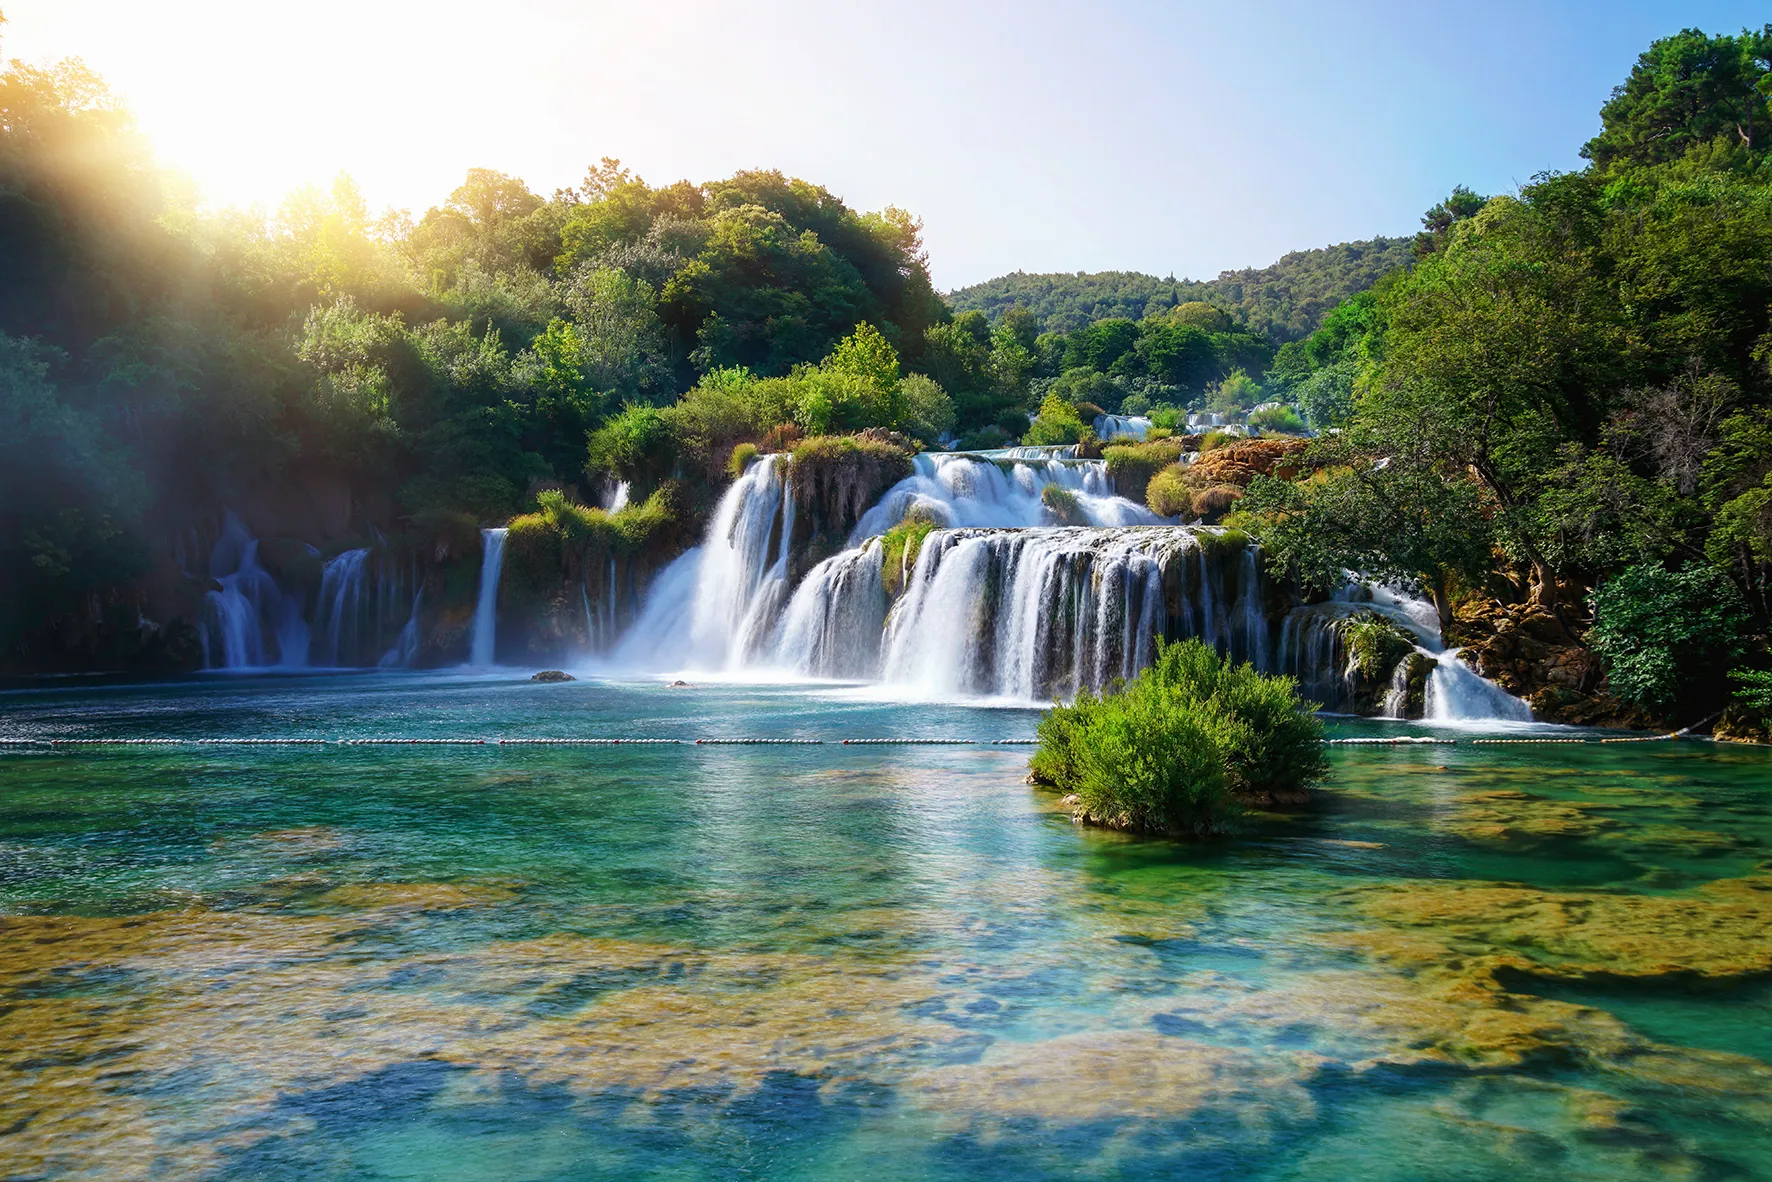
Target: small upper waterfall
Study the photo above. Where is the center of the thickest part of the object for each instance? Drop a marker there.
(1003, 491)
(1110, 427)
(485, 632)
(249, 622)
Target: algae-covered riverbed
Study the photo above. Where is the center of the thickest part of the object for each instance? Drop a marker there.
(841, 962)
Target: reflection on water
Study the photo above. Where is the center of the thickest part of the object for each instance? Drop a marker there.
(828, 962)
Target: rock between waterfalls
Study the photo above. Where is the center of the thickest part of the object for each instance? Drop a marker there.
(553, 675)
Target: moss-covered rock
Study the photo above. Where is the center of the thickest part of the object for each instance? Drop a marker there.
(573, 575)
(834, 480)
(1061, 505)
(899, 548)
(1131, 466)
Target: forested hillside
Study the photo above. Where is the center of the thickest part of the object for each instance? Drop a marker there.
(1285, 301)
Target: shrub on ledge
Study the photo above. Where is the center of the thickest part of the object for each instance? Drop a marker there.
(1183, 747)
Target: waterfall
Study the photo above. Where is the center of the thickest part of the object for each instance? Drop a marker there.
(486, 607)
(960, 489)
(406, 644)
(1110, 427)
(716, 605)
(1041, 613)
(999, 602)
(249, 622)
(341, 608)
(833, 623)
(1455, 693)
(1311, 650)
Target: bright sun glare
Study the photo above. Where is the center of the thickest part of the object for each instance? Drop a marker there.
(253, 100)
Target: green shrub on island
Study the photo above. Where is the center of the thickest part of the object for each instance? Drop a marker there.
(1056, 424)
(1183, 747)
(1282, 420)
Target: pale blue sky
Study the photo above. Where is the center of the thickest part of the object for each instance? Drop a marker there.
(1182, 137)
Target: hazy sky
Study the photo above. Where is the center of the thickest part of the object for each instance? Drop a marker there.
(1185, 137)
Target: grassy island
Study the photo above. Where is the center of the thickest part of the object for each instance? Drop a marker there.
(1183, 747)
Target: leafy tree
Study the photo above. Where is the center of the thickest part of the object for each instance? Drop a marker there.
(1402, 518)
(1057, 423)
(1690, 94)
(1437, 222)
(1663, 635)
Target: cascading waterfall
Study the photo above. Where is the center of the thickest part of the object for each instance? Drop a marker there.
(1455, 693)
(1311, 649)
(961, 489)
(485, 632)
(406, 644)
(249, 622)
(1109, 427)
(341, 607)
(833, 623)
(998, 603)
(1032, 613)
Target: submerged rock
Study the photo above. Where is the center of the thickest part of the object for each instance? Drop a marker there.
(553, 675)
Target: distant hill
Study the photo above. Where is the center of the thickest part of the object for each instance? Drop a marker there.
(1287, 300)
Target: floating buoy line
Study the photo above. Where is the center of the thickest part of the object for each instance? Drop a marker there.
(1397, 741)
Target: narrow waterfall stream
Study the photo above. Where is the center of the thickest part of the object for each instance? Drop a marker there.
(249, 623)
(485, 634)
(342, 601)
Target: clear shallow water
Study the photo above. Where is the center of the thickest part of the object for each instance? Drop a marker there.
(829, 962)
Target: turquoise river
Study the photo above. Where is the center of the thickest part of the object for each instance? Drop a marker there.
(851, 962)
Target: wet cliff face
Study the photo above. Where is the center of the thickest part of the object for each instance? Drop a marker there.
(158, 614)
(1526, 651)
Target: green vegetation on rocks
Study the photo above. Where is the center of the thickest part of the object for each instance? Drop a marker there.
(1374, 644)
(1168, 493)
(1061, 502)
(742, 455)
(1183, 747)
(899, 547)
(1130, 466)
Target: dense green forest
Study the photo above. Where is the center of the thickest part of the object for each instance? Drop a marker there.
(1556, 400)
(161, 361)
(1285, 301)
(1566, 402)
